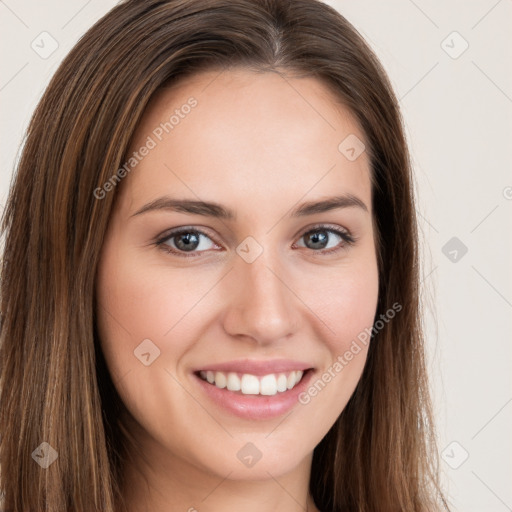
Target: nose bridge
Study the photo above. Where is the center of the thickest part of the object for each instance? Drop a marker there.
(262, 306)
(262, 276)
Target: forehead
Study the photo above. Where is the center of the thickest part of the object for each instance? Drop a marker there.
(248, 136)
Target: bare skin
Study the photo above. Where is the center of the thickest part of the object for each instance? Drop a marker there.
(261, 145)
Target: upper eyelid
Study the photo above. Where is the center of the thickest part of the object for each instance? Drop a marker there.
(326, 227)
(183, 229)
(348, 238)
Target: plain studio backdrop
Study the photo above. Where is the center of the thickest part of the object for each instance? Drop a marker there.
(449, 63)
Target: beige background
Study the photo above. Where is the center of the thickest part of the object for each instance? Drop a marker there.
(457, 107)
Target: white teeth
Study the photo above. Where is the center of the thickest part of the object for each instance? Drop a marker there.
(281, 382)
(294, 379)
(248, 384)
(220, 380)
(268, 385)
(233, 382)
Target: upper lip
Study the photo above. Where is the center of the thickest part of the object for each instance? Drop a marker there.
(255, 367)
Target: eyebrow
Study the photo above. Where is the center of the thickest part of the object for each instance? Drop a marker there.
(212, 209)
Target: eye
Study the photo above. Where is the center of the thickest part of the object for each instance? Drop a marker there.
(326, 240)
(321, 239)
(186, 240)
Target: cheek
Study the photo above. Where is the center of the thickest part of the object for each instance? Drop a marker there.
(346, 301)
(347, 304)
(143, 328)
(136, 303)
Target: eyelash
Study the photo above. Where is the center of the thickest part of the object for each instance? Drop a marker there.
(348, 240)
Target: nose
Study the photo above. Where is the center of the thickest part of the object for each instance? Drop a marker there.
(262, 304)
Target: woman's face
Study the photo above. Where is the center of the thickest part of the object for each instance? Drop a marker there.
(253, 290)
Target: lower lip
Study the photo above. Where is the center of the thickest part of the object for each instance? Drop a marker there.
(255, 407)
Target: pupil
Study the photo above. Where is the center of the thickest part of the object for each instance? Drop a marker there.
(319, 239)
(190, 241)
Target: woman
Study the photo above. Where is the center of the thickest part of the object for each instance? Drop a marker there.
(210, 277)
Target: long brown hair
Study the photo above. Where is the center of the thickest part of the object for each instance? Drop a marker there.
(55, 388)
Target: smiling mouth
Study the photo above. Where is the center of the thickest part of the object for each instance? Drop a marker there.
(248, 384)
